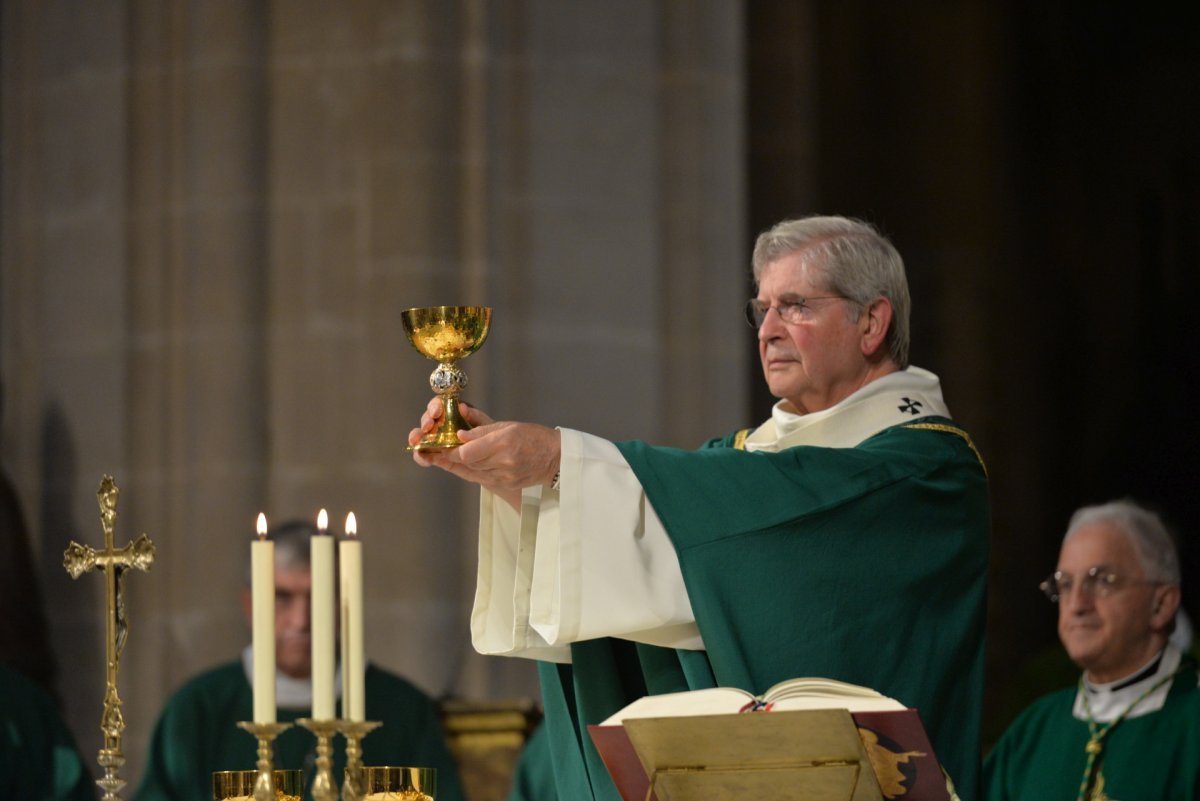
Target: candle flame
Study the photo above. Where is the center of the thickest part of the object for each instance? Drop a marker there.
(261, 526)
(351, 525)
(322, 520)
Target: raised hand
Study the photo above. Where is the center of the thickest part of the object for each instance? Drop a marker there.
(504, 457)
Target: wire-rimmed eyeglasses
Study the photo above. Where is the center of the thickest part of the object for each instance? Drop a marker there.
(791, 311)
(1097, 582)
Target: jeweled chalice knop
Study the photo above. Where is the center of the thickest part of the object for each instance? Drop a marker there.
(446, 334)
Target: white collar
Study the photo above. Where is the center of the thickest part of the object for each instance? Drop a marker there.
(899, 397)
(290, 692)
(1107, 701)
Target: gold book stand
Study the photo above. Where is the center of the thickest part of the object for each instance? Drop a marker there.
(818, 756)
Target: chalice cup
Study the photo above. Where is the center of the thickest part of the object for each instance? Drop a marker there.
(446, 334)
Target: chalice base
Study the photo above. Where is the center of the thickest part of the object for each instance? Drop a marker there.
(445, 436)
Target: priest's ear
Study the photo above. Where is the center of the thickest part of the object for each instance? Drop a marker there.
(1164, 607)
(874, 323)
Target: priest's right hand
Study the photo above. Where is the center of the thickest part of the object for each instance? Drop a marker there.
(432, 418)
(503, 457)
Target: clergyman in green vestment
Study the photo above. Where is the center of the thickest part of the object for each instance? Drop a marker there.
(1130, 729)
(845, 537)
(38, 756)
(197, 733)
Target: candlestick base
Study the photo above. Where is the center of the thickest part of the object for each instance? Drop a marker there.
(354, 731)
(111, 760)
(324, 788)
(264, 786)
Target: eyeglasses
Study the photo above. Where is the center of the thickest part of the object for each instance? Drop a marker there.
(1098, 582)
(791, 311)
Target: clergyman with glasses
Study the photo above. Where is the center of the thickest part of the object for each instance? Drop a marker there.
(1130, 728)
(844, 537)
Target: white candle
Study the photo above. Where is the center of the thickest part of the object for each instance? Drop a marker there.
(262, 587)
(353, 667)
(321, 558)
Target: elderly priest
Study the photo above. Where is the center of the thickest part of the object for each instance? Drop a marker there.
(845, 537)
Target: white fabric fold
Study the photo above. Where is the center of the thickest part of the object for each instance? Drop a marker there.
(896, 398)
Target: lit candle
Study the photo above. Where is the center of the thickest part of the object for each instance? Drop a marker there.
(321, 557)
(262, 588)
(353, 667)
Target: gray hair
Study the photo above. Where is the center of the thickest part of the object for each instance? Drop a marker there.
(1151, 539)
(858, 261)
(292, 545)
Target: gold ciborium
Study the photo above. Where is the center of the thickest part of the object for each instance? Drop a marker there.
(446, 334)
(386, 783)
(238, 785)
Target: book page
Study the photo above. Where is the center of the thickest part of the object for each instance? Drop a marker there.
(817, 693)
(807, 693)
(878, 704)
(712, 701)
(818, 686)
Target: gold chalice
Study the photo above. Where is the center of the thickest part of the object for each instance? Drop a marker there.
(446, 334)
(239, 785)
(386, 783)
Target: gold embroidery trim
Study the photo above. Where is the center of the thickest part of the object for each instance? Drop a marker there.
(957, 432)
(739, 439)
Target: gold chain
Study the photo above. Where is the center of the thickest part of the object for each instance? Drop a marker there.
(1097, 733)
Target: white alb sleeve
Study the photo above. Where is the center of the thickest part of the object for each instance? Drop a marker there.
(604, 566)
(589, 560)
(500, 617)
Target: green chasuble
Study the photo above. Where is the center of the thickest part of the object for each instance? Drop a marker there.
(197, 734)
(533, 779)
(1152, 757)
(864, 564)
(38, 757)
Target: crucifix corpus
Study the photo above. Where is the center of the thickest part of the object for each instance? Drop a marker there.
(79, 559)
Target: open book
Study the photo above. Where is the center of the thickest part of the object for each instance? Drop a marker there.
(892, 735)
(790, 694)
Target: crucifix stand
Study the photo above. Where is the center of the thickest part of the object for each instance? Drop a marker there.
(79, 559)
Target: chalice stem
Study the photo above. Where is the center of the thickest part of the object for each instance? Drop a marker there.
(452, 419)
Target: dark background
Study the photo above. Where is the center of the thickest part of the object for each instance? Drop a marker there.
(1036, 165)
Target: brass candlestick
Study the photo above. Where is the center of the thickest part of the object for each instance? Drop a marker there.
(79, 559)
(264, 785)
(446, 334)
(354, 731)
(323, 787)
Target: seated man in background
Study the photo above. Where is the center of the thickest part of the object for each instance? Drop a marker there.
(197, 733)
(38, 757)
(1129, 729)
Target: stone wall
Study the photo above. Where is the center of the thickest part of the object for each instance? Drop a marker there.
(213, 214)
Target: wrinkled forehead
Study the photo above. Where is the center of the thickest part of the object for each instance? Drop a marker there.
(796, 273)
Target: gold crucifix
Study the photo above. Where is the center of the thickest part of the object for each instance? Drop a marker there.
(79, 559)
